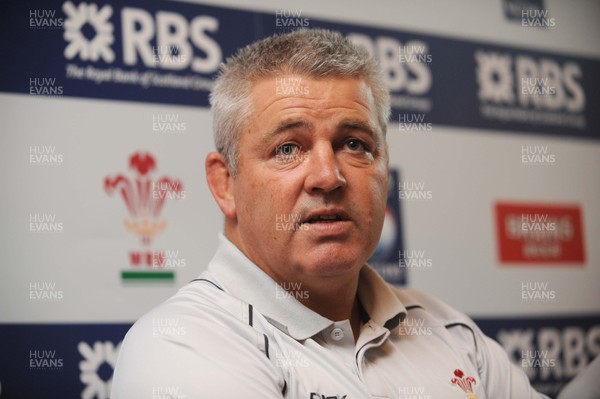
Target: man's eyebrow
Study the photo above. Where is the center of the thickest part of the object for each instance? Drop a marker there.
(357, 125)
(287, 125)
(347, 124)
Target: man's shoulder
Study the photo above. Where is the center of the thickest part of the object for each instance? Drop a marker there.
(194, 341)
(194, 307)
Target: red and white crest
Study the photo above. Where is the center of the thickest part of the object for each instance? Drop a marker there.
(464, 383)
(143, 195)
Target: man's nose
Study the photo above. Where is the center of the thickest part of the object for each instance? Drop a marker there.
(323, 171)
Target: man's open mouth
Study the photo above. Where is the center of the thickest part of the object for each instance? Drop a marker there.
(324, 219)
(326, 216)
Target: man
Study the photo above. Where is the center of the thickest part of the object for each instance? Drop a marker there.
(288, 308)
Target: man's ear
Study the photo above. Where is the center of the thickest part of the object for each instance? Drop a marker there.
(220, 182)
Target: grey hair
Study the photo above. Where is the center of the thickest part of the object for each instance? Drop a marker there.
(307, 52)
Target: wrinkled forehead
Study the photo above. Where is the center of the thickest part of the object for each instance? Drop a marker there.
(280, 93)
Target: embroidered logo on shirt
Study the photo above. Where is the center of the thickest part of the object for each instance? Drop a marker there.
(314, 395)
(464, 383)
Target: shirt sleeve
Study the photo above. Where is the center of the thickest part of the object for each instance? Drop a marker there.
(190, 357)
(501, 378)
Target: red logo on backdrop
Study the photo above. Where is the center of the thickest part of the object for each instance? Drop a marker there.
(144, 196)
(539, 233)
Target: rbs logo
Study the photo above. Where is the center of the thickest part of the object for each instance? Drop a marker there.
(402, 64)
(542, 84)
(139, 30)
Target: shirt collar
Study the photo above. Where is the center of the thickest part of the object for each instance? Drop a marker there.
(378, 299)
(244, 280)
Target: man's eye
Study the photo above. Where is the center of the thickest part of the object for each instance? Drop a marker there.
(287, 149)
(357, 145)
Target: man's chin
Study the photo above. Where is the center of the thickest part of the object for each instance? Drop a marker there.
(331, 259)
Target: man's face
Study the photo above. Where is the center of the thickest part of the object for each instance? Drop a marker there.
(310, 192)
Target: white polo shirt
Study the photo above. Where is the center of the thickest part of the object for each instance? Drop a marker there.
(235, 333)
